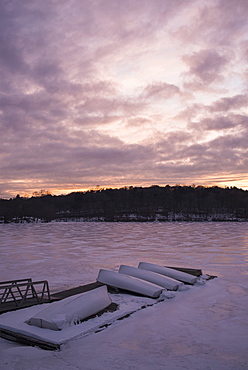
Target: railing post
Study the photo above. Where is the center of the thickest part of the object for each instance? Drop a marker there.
(24, 291)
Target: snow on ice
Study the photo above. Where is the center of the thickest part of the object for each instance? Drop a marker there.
(204, 327)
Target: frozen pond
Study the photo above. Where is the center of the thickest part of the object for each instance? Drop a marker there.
(71, 253)
(203, 328)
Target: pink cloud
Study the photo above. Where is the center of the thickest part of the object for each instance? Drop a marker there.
(161, 90)
(222, 122)
(205, 66)
(229, 103)
(68, 72)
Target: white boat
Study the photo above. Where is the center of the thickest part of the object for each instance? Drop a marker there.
(129, 283)
(175, 274)
(72, 309)
(152, 277)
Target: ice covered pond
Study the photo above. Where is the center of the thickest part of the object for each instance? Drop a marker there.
(204, 329)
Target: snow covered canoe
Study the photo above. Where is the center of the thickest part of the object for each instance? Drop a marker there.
(129, 283)
(178, 275)
(72, 309)
(152, 277)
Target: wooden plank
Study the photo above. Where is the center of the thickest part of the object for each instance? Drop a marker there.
(77, 290)
(27, 340)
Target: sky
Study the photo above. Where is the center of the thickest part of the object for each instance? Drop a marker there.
(108, 93)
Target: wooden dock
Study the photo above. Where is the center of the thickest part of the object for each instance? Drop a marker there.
(17, 304)
(8, 305)
(73, 291)
(34, 299)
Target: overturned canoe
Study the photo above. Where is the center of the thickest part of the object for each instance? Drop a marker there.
(152, 277)
(178, 275)
(129, 283)
(72, 309)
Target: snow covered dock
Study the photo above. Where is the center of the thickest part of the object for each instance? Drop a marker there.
(51, 325)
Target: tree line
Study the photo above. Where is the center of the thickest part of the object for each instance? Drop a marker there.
(154, 203)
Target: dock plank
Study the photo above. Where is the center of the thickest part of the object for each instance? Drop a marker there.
(73, 291)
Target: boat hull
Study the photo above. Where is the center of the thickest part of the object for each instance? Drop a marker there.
(72, 309)
(152, 277)
(178, 275)
(129, 283)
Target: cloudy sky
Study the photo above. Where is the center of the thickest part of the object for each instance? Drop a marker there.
(114, 93)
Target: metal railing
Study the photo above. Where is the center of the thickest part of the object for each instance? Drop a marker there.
(20, 291)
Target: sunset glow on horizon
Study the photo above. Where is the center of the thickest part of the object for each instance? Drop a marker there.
(115, 93)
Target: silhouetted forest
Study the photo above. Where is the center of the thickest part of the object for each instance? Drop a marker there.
(155, 203)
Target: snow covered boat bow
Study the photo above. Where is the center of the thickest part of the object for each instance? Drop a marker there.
(72, 310)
